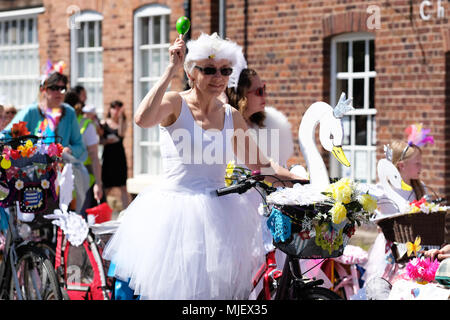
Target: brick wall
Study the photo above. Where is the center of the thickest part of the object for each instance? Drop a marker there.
(19, 4)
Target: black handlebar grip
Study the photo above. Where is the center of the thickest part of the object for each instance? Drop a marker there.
(227, 190)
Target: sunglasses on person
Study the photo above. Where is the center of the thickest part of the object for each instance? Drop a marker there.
(55, 87)
(213, 70)
(260, 92)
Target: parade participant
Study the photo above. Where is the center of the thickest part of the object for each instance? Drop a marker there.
(52, 118)
(178, 240)
(9, 114)
(91, 140)
(249, 97)
(114, 165)
(407, 158)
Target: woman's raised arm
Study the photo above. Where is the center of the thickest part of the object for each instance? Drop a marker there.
(157, 105)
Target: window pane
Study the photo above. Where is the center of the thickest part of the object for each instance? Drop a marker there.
(6, 33)
(30, 30)
(167, 30)
(373, 171)
(22, 32)
(91, 34)
(372, 55)
(346, 172)
(80, 33)
(361, 130)
(374, 130)
(99, 44)
(347, 131)
(341, 86)
(81, 65)
(145, 60)
(13, 32)
(372, 93)
(145, 88)
(361, 165)
(144, 31)
(156, 62)
(358, 93)
(90, 64)
(358, 56)
(156, 30)
(342, 56)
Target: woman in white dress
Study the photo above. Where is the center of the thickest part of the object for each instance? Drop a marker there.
(178, 240)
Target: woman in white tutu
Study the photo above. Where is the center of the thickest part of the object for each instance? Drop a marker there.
(179, 240)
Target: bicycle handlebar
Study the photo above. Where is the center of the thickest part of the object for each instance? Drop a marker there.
(252, 181)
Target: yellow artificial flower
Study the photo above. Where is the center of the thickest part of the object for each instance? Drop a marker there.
(229, 173)
(341, 191)
(27, 150)
(368, 202)
(413, 247)
(338, 213)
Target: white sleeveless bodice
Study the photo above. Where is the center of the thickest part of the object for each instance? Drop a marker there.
(195, 159)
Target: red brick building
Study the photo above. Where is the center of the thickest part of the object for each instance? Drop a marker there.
(392, 57)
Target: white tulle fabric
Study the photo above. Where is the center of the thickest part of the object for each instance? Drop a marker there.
(180, 241)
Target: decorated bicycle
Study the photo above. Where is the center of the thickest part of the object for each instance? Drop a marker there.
(28, 172)
(315, 220)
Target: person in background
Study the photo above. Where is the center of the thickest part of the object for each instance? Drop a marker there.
(91, 140)
(9, 114)
(2, 115)
(81, 93)
(114, 161)
(52, 118)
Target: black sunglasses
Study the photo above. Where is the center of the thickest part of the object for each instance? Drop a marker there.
(260, 92)
(55, 87)
(213, 70)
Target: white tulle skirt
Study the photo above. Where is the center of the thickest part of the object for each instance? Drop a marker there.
(187, 245)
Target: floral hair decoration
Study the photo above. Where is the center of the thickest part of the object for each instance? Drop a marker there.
(417, 136)
(51, 68)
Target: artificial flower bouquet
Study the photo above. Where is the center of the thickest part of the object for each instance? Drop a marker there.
(310, 223)
(28, 169)
(423, 206)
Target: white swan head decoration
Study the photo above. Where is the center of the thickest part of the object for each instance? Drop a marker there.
(331, 135)
(331, 132)
(388, 172)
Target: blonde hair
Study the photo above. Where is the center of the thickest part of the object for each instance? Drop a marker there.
(401, 150)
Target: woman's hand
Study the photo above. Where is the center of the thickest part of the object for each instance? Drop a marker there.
(439, 254)
(177, 51)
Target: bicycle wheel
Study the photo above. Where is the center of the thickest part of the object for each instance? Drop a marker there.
(36, 277)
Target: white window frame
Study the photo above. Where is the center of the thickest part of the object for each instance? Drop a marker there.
(336, 169)
(80, 20)
(148, 11)
(21, 86)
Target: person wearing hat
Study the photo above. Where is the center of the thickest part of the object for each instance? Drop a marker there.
(177, 239)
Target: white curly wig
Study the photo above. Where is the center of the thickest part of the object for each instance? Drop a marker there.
(214, 47)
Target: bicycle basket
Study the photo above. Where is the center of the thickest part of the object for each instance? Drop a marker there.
(405, 228)
(304, 240)
(29, 175)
